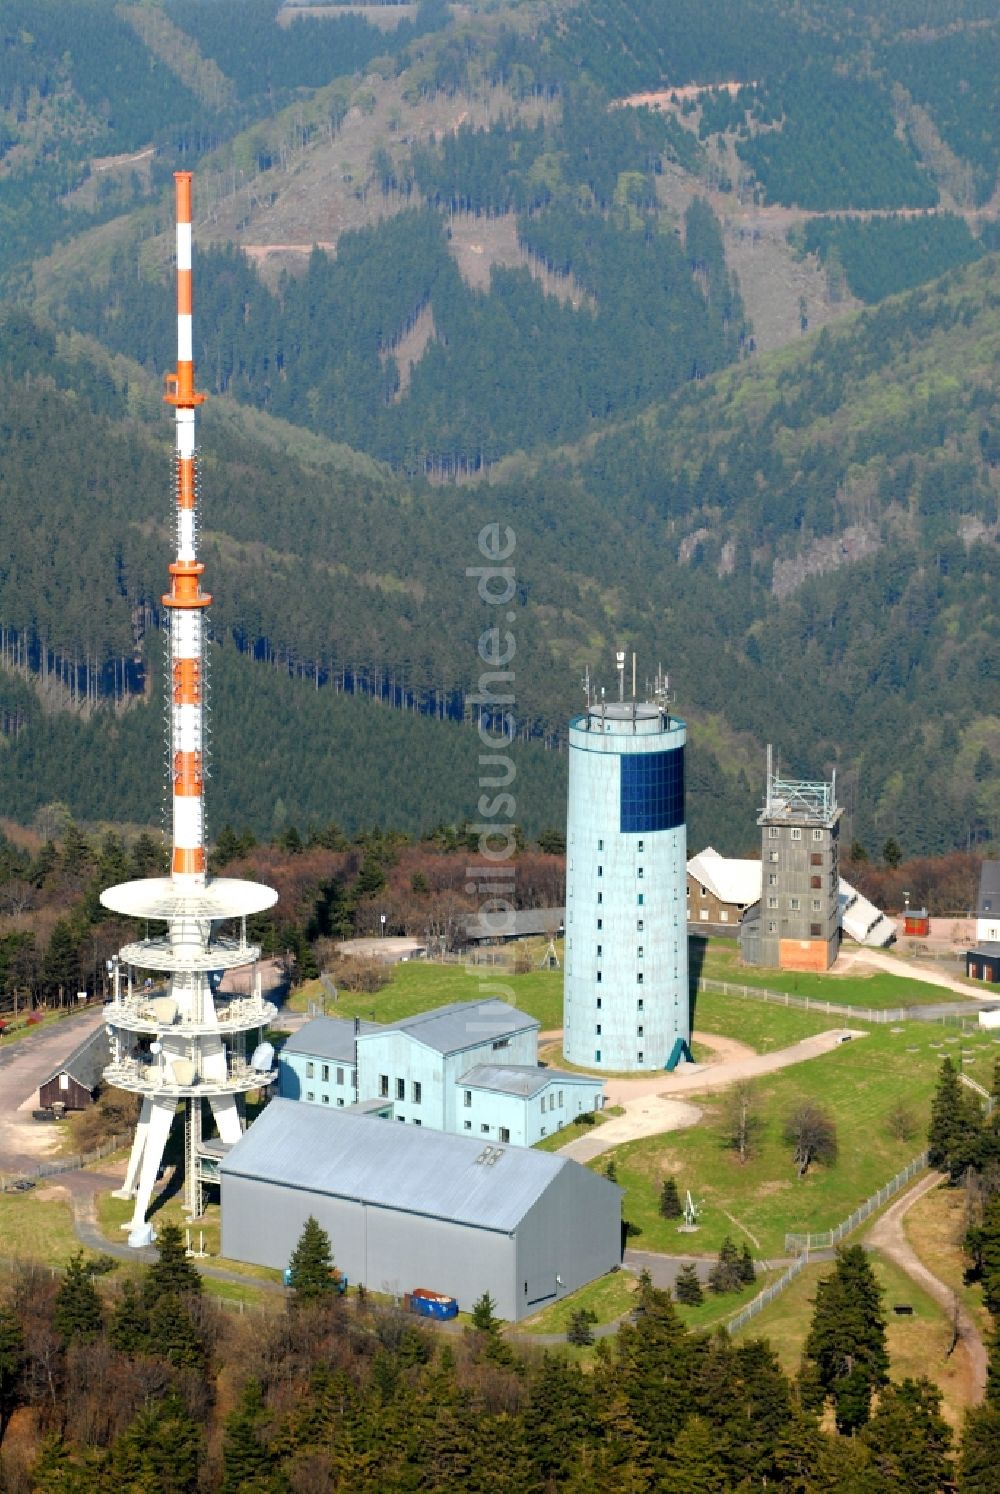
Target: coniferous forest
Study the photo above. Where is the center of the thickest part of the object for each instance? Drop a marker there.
(817, 525)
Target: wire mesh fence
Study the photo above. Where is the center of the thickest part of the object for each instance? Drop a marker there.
(767, 1296)
(17, 1183)
(825, 1238)
(873, 1014)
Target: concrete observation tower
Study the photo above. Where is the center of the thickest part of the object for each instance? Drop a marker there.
(625, 1006)
(174, 1041)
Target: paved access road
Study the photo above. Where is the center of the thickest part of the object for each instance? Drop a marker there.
(23, 1066)
(657, 1103)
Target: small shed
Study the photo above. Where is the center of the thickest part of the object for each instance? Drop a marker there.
(916, 923)
(984, 964)
(75, 1083)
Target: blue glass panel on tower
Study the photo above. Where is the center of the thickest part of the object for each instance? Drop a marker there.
(652, 791)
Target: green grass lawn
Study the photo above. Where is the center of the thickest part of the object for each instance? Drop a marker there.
(418, 985)
(609, 1297)
(576, 1128)
(878, 990)
(763, 1026)
(36, 1229)
(859, 1084)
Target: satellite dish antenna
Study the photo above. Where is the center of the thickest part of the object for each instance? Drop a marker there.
(156, 1047)
(263, 1058)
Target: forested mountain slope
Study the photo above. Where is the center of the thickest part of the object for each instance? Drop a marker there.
(807, 543)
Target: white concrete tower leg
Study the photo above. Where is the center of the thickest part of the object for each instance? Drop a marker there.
(227, 1118)
(160, 1120)
(127, 1189)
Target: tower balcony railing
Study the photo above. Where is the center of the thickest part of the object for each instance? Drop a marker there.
(182, 953)
(152, 1014)
(168, 1078)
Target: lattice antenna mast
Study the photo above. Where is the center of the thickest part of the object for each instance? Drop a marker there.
(186, 601)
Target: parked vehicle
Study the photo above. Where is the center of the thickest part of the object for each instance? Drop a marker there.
(430, 1304)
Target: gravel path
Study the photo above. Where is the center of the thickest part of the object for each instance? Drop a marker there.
(888, 1236)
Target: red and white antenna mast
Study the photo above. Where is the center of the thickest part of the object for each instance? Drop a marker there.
(178, 1036)
(186, 600)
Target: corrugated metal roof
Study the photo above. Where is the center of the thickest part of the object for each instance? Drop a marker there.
(517, 924)
(520, 1079)
(87, 1062)
(465, 1024)
(415, 1170)
(328, 1037)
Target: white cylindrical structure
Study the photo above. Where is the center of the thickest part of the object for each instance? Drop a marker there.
(626, 1003)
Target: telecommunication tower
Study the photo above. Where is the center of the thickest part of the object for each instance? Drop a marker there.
(175, 1041)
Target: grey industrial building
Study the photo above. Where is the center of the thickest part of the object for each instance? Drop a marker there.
(407, 1207)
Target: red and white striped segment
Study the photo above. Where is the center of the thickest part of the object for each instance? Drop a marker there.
(185, 599)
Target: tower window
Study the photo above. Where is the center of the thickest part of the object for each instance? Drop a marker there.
(599, 949)
(638, 871)
(638, 924)
(795, 904)
(600, 898)
(597, 1029)
(600, 845)
(598, 977)
(638, 953)
(640, 846)
(597, 1055)
(638, 1056)
(772, 832)
(639, 1030)
(598, 1003)
(600, 871)
(600, 923)
(639, 1005)
(639, 900)
(796, 832)
(638, 979)
(817, 835)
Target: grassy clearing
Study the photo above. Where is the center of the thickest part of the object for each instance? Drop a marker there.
(575, 1129)
(859, 1083)
(35, 1229)
(609, 1297)
(763, 1026)
(418, 985)
(878, 990)
(716, 1310)
(917, 1344)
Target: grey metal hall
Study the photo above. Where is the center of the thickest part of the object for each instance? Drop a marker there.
(406, 1207)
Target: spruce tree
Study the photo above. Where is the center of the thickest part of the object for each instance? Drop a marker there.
(580, 1331)
(484, 1316)
(845, 1347)
(11, 1368)
(955, 1125)
(909, 1439)
(78, 1312)
(174, 1274)
(670, 1203)
(244, 1456)
(725, 1275)
(311, 1264)
(748, 1271)
(687, 1287)
(161, 1451)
